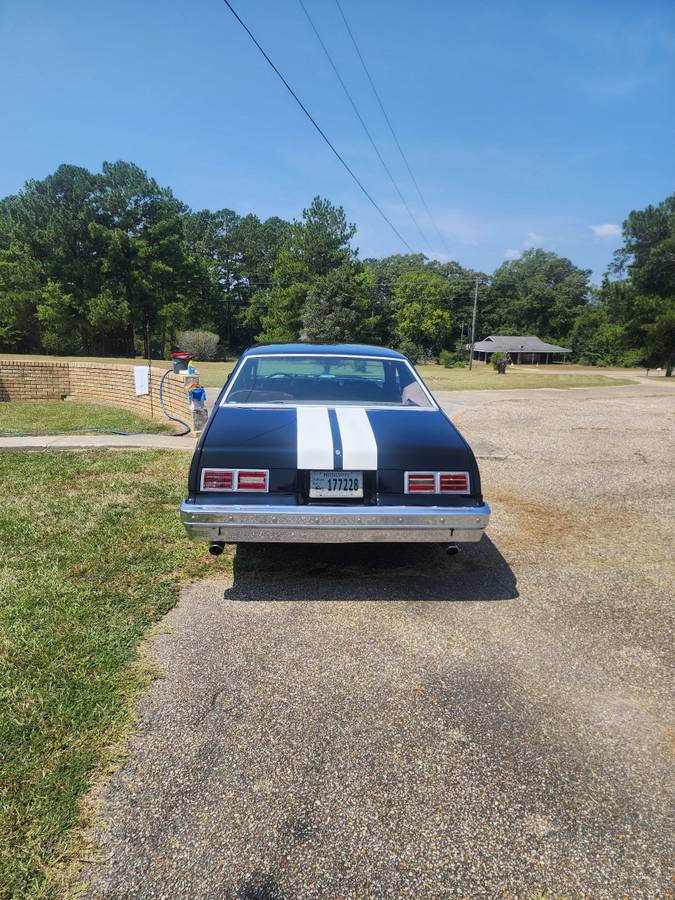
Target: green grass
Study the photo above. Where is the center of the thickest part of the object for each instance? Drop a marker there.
(213, 374)
(93, 551)
(480, 378)
(484, 378)
(56, 416)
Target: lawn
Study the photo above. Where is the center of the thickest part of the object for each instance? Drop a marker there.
(93, 552)
(484, 378)
(64, 416)
(480, 378)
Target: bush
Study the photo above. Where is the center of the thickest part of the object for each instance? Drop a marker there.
(452, 359)
(204, 344)
(631, 359)
(414, 352)
(495, 359)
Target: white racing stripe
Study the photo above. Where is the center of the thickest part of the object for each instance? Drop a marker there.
(315, 439)
(359, 448)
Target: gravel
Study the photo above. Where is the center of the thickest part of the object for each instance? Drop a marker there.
(390, 722)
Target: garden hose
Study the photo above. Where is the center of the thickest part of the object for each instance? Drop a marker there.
(187, 427)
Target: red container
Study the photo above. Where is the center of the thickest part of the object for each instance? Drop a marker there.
(181, 360)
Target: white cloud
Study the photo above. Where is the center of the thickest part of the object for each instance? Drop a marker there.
(606, 232)
(533, 240)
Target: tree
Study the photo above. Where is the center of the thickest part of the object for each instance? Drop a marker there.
(321, 240)
(107, 314)
(208, 238)
(459, 300)
(20, 293)
(648, 256)
(420, 307)
(145, 259)
(236, 256)
(541, 294)
(50, 221)
(281, 319)
(648, 253)
(113, 262)
(58, 316)
(310, 249)
(339, 307)
(657, 315)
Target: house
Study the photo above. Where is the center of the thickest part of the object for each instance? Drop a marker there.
(521, 348)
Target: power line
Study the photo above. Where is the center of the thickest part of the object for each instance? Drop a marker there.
(391, 127)
(365, 127)
(316, 125)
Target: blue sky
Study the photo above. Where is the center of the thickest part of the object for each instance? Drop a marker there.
(526, 123)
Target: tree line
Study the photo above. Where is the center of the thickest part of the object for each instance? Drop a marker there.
(110, 263)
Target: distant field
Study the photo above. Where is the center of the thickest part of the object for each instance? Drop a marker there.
(58, 416)
(481, 377)
(484, 378)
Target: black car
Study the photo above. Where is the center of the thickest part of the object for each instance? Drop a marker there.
(331, 443)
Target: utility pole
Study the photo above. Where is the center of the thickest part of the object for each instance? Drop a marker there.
(473, 323)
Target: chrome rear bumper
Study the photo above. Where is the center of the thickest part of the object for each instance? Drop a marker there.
(334, 524)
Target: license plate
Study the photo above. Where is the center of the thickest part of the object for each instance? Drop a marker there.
(336, 484)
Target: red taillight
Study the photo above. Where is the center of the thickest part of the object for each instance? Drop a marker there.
(217, 479)
(453, 482)
(248, 480)
(235, 480)
(420, 482)
(437, 483)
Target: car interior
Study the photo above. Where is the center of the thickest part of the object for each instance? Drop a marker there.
(391, 383)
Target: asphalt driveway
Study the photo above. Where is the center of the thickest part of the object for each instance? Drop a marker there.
(392, 722)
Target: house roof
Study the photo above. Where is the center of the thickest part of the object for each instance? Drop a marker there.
(324, 349)
(514, 343)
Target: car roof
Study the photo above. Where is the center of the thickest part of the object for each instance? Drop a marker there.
(323, 349)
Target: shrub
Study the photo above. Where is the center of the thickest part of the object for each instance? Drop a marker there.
(204, 344)
(452, 359)
(495, 359)
(631, 359)
(413, 351)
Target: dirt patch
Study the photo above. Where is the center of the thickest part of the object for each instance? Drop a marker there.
(528, 522)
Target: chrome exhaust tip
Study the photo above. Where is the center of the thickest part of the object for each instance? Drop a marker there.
(216, 548)
(452, 549)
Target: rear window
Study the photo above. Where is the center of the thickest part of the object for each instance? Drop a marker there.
(326, 379)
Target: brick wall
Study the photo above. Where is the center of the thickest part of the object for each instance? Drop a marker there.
(33, 380)
(111, 385)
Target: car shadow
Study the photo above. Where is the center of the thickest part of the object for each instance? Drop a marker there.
(409, 572)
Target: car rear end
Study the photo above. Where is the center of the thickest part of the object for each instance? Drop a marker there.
(280, 475)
